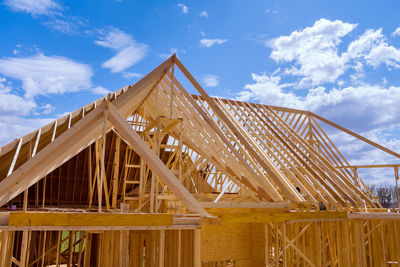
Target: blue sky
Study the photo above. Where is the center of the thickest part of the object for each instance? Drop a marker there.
(340, 59)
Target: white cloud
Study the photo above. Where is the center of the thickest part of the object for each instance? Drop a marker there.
(185, 9)
(34, 7)
(211, 42)
(12, 104)
(5, 86)
(129, 52)
(129, 75)
(268, 90)
(273, 11)
(50, 13)
(373, 48)
(99, 90)
(314, 51)
(210, 80)
(203, 14)
(364, 43)
(41, 74)
(65, 25)
(13, 108)
(47, 109)
(396, 32)
(384, 53)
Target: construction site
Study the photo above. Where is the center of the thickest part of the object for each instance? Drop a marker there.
(152, 175)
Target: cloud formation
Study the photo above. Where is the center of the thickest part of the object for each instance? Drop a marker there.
(33, 7)
(129, 52)
(184, 8)
(396, 32)
(203, 14)
(44, 75)
(13, 108)
(312, 54)
(373, 48)
(313, 50)
(211, 42)
(210, 80)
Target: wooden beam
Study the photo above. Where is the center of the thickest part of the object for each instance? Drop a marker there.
(45, 219)
(245, 205)
(284, 216)
(116, 172)
(374, 216)
(102, 166)
(153, 161)
(369, 166)
(197, 248)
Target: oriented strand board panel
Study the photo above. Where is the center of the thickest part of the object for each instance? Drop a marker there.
(230, 241)
(258, 244)
(87, 219)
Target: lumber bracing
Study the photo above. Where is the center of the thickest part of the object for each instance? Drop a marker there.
(151, 175)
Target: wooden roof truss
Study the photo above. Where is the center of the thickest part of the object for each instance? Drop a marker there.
(154, 145)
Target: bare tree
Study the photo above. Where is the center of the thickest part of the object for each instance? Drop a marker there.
(385, 193)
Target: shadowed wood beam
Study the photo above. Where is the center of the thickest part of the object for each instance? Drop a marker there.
(154, 162)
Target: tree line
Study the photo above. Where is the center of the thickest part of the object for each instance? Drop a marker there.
(385, 193)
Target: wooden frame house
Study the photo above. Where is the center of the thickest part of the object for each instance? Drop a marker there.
(152, 175)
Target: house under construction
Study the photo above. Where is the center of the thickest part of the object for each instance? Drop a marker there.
(152, 175)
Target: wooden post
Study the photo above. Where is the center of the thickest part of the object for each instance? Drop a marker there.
(197, 248)
(161, 249)
(179, 247)
(71, 247)
(396, 175)
(58, 248)
(356, 178)
(266, 242)
(116, 172)
(90, 176)
(102, 170)
(44, 248)
(172, 92)
(24, 248)
(88, 247)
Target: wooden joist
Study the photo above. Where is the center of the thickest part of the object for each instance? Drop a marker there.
(65, 219)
